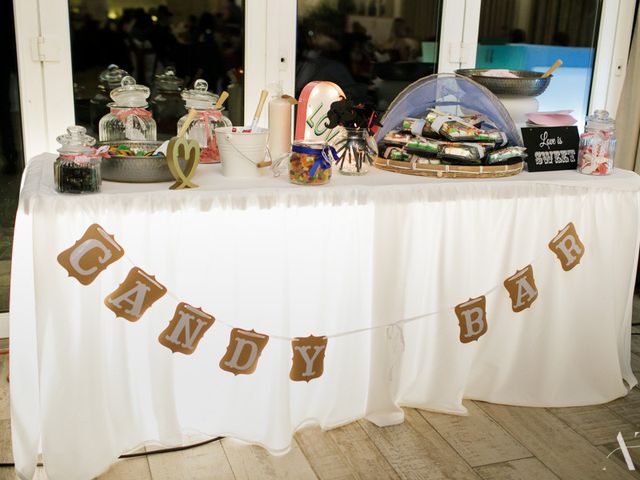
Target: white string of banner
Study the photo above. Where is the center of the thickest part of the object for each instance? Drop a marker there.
(397, 323)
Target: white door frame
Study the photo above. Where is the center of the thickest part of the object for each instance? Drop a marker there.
(612, 53)
(270, 50)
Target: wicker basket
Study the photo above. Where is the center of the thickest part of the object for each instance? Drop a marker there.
(450, 171)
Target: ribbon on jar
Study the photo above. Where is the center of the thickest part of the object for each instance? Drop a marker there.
(324, 157)
(211, 148)
(123, 113)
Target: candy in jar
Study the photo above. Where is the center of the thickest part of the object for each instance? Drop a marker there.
(310, 162)
(77, 169)
(597, 145)
(208, 118)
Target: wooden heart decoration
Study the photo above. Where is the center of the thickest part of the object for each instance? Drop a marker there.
(189, 150)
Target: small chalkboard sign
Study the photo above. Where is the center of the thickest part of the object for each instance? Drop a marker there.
(551, 148)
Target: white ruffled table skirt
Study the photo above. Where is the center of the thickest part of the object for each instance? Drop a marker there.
(292, 261)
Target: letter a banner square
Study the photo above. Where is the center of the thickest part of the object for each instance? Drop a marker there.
(185, 329)
(135, 295)
(90, 255)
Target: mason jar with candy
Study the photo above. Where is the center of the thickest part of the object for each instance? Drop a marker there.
(77, 168)
(310, 162)
(597, 145)
(203, 127)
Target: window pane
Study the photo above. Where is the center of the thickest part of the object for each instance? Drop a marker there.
(11, 155)
(371, 48)
(531, 35)
(144, 38)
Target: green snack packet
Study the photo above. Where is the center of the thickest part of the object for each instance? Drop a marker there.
(395, 153)
(468, 152)
(506, 155)
(423, 145)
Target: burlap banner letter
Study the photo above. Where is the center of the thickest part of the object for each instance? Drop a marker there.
(137, 293)
(522, 289)
(185, 329)
(472, 318)
(567, 247)
(90, 255)
(245, 347)
(308, 358)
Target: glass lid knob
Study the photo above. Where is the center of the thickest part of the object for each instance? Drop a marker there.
(201, 85)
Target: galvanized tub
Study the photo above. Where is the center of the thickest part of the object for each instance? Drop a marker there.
(134, 169)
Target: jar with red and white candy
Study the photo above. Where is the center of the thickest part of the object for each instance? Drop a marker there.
(597, 145)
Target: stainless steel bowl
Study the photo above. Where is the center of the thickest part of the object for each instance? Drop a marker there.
(132, 169)
(530, 84)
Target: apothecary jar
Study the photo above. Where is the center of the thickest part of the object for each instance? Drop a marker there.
(128, 118)
(207, 119)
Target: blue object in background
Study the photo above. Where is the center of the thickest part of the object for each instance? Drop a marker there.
(571, 83)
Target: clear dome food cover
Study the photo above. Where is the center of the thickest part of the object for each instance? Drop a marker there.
(452, 94)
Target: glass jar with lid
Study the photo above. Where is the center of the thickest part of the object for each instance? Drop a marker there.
(310, 162)
(108, 79)
(77, 168)
(166, 104)
(128, 118)
(207, 119)
(597, 145)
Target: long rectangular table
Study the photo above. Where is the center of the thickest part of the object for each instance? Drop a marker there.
(375, 263)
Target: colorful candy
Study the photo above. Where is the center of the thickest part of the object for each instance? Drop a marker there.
(597, 145)
(125, 151)
(310, 163)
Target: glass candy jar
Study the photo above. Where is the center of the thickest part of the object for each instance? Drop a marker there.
(128, 118)
(310, 163)
(109, 79)
(207, 119)
(597, 145)
(77, 168)
(166, 104)
(356, 151)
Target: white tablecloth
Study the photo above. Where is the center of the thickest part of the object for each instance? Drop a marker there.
(294, 261)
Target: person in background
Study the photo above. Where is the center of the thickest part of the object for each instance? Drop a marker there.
(401, 45)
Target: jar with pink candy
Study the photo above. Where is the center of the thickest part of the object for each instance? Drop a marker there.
(597, 145)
